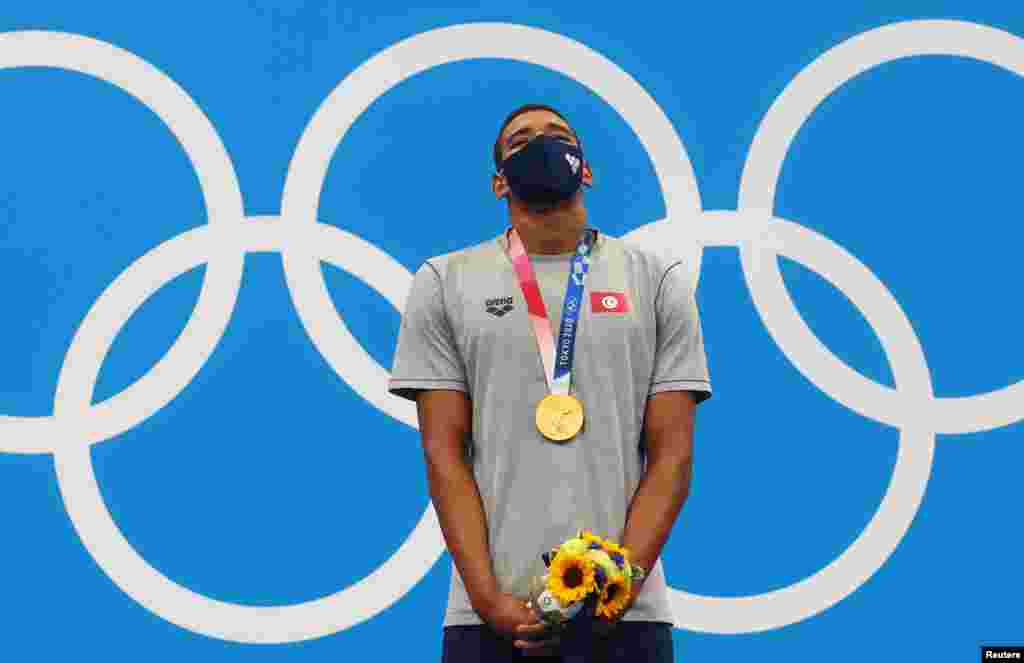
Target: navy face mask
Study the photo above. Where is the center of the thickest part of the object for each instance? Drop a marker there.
(544, 172)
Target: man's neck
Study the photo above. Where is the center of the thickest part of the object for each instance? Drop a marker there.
(551, 232)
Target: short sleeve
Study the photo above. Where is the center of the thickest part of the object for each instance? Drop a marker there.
(679, 361)
(426, 356)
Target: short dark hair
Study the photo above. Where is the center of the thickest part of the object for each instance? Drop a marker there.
(516, 113)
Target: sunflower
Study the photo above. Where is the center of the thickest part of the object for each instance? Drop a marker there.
(571, 577)
(614, 597)
(589, 537)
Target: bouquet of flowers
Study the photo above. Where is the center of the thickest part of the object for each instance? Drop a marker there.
(587, 576)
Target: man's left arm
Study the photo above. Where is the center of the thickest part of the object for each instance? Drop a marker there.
(679, 382)
(668, 433)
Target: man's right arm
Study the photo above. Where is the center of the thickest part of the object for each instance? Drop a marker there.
(445, 424)
(429, 369)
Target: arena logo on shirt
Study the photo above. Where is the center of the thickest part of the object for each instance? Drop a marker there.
(498, 306)
(609, 302)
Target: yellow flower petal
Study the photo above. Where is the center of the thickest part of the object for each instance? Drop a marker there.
(614, 598)
(571, 577)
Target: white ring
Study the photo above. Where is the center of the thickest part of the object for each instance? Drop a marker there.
(763, 240)
(757, 192)
(223, 275)
(881, 536)
(96, 527)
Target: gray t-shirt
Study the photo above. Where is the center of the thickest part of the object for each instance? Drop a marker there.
(466, 327)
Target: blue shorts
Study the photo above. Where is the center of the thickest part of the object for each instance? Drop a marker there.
(632, 642)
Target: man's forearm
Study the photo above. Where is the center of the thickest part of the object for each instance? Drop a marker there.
(460, 512)
(655, 506)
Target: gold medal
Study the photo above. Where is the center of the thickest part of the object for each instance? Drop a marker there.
(559, 417)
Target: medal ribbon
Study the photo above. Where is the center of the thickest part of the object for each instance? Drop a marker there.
(557, 362)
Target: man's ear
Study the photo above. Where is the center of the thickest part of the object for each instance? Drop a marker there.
(499, 186)
(588, 175)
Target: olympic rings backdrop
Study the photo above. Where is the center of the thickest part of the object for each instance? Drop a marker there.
(209, 217)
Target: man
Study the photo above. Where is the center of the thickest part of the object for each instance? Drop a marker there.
(525, 444)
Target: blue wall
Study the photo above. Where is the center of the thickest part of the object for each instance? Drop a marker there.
(267, 479)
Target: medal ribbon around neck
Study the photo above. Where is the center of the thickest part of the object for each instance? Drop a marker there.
(557, 363)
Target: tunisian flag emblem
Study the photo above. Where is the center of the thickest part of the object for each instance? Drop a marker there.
(609, 302)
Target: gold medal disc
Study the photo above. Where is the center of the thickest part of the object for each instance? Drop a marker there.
(559, 417)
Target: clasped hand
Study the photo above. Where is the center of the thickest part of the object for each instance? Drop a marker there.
(513, 618)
